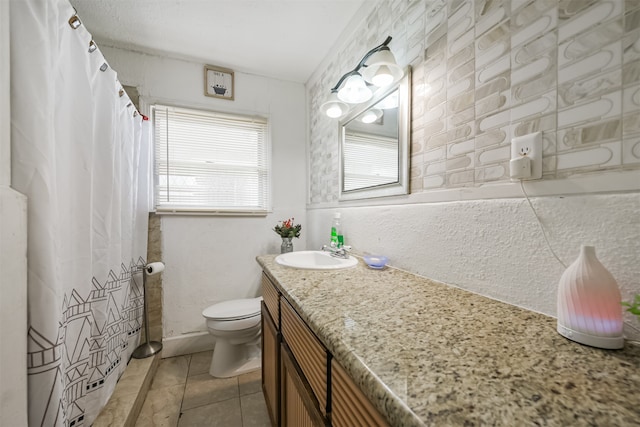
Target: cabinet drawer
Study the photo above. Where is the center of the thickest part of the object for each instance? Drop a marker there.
(309, 353)
(349, 406)
(271, 298)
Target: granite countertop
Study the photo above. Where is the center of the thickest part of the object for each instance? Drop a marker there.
(426, 353)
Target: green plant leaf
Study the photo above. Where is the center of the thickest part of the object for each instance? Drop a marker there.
(634, 308)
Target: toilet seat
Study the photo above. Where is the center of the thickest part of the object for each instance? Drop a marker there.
(234, 325)
(233, 310)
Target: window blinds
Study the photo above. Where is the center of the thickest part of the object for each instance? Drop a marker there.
(207, 161)
(372, 161)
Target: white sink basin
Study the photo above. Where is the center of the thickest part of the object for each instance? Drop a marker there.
(315, 260)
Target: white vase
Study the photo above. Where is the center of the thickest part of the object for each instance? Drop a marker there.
(589, 309)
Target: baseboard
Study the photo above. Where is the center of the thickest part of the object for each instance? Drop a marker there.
(187, 344)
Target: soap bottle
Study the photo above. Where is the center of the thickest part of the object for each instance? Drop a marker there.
(337, 239)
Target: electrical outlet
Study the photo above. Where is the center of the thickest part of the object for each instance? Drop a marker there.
(529, 146)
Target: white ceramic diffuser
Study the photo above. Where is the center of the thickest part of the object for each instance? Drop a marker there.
(589, 310)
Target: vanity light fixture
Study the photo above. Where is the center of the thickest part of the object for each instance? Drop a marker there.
(378, 67)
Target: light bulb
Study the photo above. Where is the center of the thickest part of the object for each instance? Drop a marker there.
(369, 117)
(333, 107)
(355, 90)
(382, 77)
(379, 65)
(334, 111)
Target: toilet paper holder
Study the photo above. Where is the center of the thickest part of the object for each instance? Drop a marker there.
(147, 348)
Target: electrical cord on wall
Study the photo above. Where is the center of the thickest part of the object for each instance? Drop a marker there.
(544, 234)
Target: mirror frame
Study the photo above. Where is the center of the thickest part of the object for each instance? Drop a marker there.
(400, 187)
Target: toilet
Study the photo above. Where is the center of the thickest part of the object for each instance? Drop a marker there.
(236, 326)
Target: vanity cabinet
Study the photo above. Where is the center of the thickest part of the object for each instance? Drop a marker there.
(271, 298)
(271, 339)
(302, 385)
(271, 365)
(308, 352)
(349, 406)
(299, 407)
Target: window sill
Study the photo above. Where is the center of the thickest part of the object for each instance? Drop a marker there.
(208, 212)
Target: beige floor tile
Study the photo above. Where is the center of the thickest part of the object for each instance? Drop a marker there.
(204, 389)
(161, 407)
(200, 363)
(183, 394)
(254, 411)
(171, 371)
(220, 414)
(250, 383)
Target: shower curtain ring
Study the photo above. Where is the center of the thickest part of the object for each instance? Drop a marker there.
(74, 21)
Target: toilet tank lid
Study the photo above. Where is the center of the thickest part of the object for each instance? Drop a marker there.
(234, 309)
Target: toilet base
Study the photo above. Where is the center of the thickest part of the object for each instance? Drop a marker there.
(231, 360)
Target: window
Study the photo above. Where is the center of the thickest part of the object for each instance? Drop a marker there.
(210, 162)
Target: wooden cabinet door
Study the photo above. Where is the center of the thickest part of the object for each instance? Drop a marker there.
(349, 406)
(299, 407)
(271, 366)
(308, 352)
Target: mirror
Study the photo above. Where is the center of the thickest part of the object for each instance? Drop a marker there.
(374, 145)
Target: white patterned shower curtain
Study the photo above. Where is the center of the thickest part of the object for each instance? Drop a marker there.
(80, 152)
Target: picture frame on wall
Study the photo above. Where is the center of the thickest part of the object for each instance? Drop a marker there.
(218, 82)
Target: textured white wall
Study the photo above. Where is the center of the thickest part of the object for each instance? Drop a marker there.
(212, 258)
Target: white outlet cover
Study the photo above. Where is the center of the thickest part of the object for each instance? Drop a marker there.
(531, 146)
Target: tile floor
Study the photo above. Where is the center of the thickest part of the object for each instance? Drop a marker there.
(183, 394)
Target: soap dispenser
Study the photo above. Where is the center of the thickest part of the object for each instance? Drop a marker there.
(337, 239)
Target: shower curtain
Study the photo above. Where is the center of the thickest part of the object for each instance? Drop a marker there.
(80, 152)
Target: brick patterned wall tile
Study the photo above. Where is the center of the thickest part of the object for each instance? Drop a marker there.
(492, 85)
(631, 150)
(485, 71)
(591, 14)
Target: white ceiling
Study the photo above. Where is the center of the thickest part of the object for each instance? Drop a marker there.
(285, 39)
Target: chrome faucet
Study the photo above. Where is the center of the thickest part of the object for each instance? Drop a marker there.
(338, 252)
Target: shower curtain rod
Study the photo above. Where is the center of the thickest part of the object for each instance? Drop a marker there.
(75, 23)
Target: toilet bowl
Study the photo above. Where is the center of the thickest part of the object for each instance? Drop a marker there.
(236, 326)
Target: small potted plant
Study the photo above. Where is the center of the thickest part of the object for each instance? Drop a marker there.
(287, 231)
